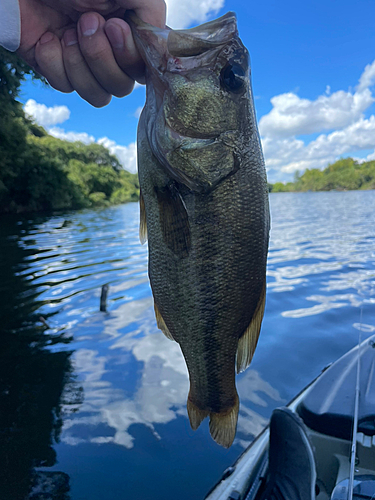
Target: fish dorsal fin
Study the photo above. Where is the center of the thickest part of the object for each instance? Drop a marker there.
(161, 323)
(248, 341)
(223, 425)
(143, 221)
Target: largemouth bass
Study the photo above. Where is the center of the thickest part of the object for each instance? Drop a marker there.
(204, 207)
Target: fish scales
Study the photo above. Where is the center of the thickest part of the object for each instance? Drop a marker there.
(204, 192)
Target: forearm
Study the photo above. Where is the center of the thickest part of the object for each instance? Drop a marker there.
(10, 24)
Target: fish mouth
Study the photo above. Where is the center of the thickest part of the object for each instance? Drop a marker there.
(156, 43)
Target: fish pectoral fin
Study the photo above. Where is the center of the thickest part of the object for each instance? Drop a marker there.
(161, 323)
(223, 425)
(143, 221)
(248, 341)
(174, 220)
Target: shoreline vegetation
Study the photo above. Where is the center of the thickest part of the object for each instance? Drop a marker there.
(39, 172)
(345, 174)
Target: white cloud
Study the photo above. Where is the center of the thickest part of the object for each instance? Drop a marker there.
(367, 78)
(138, 111)
(59, 133)
(291, 154)
(127, 155)
(292, 115)
(369, 157)
(184, 14)
(45, 116)
(341, 114)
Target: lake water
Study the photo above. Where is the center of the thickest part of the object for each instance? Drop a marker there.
(94, 403)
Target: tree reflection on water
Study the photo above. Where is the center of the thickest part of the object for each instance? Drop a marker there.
(35, 380)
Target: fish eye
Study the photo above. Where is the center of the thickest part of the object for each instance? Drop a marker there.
(232, 77)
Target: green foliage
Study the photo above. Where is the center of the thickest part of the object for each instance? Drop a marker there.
(43, 173)
(279, 187)
(66, 151)
(98, 199)
(40, 172)
(13, 71)
(344, 174)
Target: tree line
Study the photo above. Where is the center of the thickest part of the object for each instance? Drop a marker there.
(39, 172)
(345, 174)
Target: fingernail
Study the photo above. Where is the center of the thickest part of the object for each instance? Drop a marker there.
(70, 38)
(89, 24)
(47, 37)
(115, 35)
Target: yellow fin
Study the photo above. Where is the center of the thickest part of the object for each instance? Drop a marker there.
(161, 323)
(223, 425)
(143, 222)
(195, 414)
(248, 341)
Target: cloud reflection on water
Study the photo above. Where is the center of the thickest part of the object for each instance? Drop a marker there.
(321, 270)
(162, 383)
(322, 242)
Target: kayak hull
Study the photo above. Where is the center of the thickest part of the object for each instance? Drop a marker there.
(327, 407)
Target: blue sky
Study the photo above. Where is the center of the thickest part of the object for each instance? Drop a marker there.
(313, 74)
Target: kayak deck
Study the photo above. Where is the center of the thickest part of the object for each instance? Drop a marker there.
(327, 407)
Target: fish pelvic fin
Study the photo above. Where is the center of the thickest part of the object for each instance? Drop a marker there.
(196, 415)
(142, 222)
(161, 323)
(223, 425)
(248, 341)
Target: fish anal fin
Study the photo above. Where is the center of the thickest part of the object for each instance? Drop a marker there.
(161, 323)
(142, 222)
(196, 415)
(248, 342)
(223, 425)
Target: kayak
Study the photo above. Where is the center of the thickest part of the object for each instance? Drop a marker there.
(327, 408)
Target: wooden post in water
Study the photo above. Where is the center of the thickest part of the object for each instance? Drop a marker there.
(103, 298)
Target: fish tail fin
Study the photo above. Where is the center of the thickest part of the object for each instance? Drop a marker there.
(196, 415)
(223, 425)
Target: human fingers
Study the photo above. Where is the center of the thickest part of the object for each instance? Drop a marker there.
(99, 55)
(124, 49)
(49, 61)
(79, 73)
(150, 11)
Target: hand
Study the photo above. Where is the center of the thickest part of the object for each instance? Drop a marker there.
(85, 45)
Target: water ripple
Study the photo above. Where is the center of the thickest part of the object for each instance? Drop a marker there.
(134, 383)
